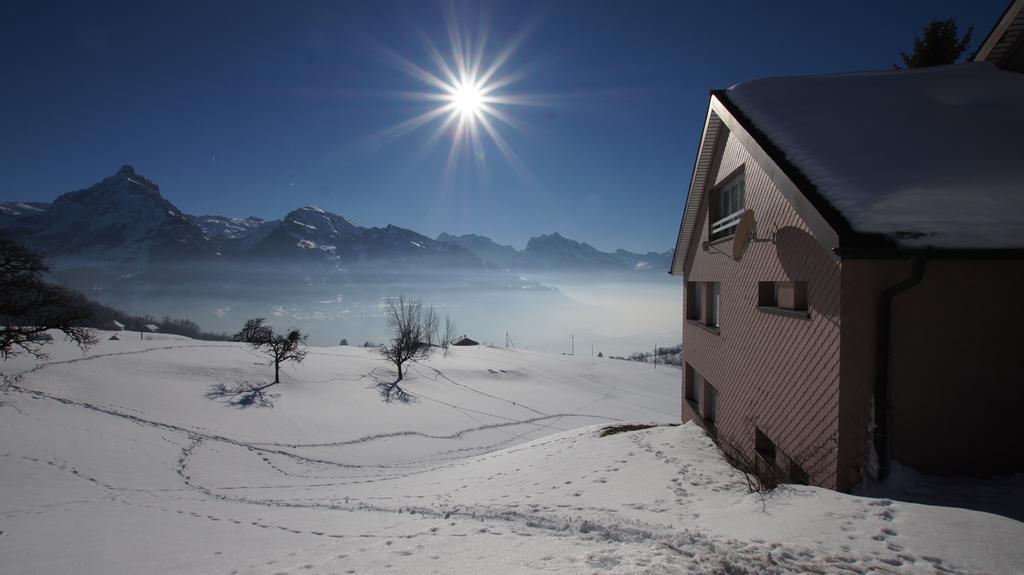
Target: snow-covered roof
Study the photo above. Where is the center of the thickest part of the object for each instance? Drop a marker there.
(152, 327)
(928, 157)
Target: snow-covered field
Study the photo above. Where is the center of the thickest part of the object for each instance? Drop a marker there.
(118, 462)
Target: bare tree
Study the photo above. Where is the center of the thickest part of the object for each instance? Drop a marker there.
(449, 334)
(29, 306)
(405, 321)
(254, 329)
(431, 326)
(277, 347)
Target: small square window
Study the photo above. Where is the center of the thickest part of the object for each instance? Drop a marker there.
(782, 295)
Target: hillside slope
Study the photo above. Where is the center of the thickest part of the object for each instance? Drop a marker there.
(119, 461)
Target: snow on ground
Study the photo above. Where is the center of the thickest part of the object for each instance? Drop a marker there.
(118, 462)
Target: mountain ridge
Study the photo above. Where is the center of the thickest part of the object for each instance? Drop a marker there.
(125, 218)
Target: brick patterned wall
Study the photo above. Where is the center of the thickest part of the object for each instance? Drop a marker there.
(778, 373)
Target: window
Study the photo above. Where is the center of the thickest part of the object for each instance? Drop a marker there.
(703, 303)
(694, 300)
(694, 385)
(715, 289)
(764, 446)
(710, 403)
(797, 474)
(783, 296)
(727, 203)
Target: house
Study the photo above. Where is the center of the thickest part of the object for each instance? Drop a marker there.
(115, 326)
(853, 250)
(461, 341)
(150, 327)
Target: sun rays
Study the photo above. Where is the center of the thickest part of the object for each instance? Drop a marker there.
(468, 91)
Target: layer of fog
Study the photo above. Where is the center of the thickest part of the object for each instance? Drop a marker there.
(615, 314)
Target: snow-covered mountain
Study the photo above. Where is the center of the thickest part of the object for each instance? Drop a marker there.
(122, 218)
(222, 227)
(312, 232)
(234, 235)
(492, 253)
(393, 242)
(556, 251)
(651, 261)
(125, 219)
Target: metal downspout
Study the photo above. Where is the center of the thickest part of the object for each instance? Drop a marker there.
(883, 391)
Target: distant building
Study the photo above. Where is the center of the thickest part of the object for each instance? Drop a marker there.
(150, 327)
(463, 341)
(116, 325)
(853, 249)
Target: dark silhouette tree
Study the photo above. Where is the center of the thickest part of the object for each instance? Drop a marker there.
(279, 348)
(939, 44)
(405, 319)
(29, 306)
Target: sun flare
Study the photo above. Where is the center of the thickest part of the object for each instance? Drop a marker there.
(467, 97)
(467, 86)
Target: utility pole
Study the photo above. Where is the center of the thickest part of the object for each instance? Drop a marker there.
(655, 356)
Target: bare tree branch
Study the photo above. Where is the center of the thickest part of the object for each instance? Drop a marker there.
(29, 306)
(412, 327)
(277, 347)
(449, 335)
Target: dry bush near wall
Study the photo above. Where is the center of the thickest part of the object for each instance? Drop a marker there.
(759, 475)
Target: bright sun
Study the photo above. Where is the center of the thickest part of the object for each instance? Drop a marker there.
(470, 90)
(467, 97)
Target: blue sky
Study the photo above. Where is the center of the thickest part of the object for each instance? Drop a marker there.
(256, 108)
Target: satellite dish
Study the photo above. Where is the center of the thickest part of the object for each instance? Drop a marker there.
(744, 233)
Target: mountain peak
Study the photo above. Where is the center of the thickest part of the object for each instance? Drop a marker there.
(126, 170)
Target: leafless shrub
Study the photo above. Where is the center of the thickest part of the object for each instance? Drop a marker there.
(759, 474)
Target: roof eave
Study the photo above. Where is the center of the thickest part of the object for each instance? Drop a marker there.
(1000, 28)
(701, 167)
